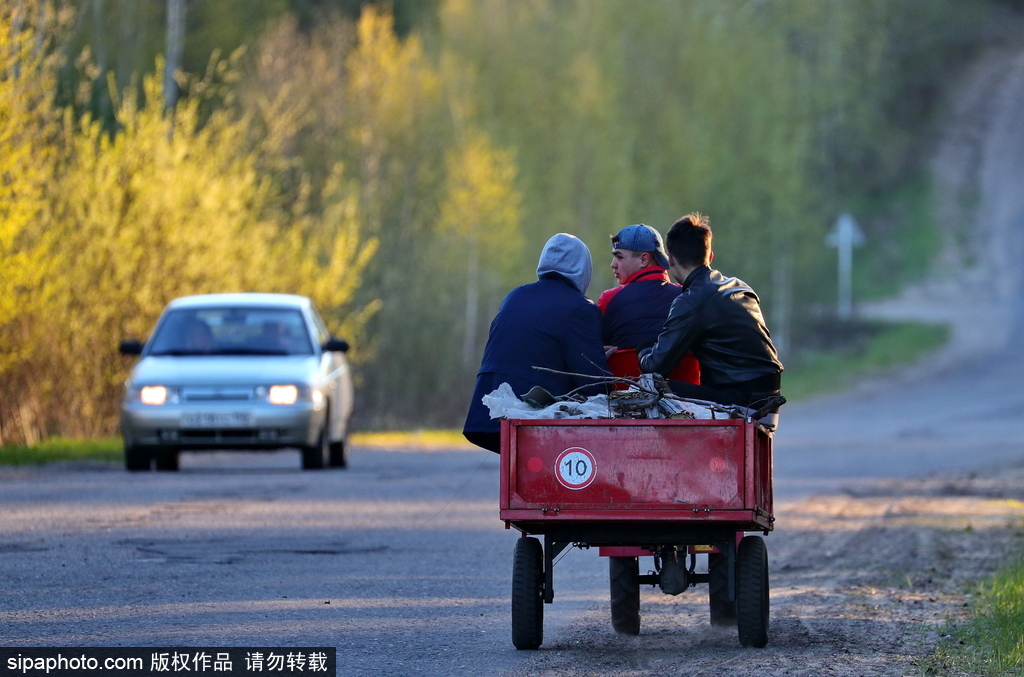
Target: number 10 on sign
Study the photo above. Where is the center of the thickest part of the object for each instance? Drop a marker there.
(575, 468)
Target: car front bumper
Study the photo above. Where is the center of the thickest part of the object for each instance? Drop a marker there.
(221, 425)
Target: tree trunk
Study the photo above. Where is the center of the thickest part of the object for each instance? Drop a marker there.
(472, 304)
(175, 49)
(99, 30)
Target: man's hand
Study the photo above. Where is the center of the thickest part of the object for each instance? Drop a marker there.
(609, 351)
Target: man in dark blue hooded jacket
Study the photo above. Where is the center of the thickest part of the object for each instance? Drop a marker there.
(548, 323)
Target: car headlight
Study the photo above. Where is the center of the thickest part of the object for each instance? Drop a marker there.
(283, 394)
(153, 395)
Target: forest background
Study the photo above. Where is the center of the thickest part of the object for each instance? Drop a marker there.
(403, 164)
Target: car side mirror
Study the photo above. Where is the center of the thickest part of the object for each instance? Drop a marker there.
(131, 347)
(335, 345)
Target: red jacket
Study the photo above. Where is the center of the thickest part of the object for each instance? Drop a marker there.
(634, 315)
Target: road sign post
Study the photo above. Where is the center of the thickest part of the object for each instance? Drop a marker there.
(845, 235)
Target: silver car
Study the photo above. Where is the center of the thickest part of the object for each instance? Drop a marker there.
(237, 371)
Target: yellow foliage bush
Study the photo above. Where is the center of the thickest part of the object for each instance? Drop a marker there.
(102, 229)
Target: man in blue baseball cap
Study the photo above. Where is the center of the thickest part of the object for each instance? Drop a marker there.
(635, 311)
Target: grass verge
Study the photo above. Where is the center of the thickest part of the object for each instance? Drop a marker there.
(991, 641)
(415, 439)
(63, 449)
(889, 346)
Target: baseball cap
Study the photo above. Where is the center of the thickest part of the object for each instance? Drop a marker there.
(641, 238)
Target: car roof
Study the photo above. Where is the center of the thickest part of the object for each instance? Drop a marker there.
(241, 299)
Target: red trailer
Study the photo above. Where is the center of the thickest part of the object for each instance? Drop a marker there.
(632, 487)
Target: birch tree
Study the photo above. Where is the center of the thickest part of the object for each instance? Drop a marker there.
(174, 50)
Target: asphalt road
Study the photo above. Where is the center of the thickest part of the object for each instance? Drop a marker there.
(400, 561)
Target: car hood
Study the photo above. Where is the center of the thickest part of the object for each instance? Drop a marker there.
(226, 370)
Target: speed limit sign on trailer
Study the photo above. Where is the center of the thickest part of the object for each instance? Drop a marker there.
(575, 468)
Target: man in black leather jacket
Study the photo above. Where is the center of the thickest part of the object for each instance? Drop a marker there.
(719, 319)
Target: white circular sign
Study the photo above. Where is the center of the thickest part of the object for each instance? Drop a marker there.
(575, 468)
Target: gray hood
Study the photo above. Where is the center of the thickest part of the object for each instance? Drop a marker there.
(568, 256)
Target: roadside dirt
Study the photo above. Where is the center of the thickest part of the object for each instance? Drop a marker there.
(978, 206)
(863, 583)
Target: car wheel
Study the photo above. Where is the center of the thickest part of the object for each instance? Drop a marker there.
(167, 460)
(339, 459)
(317, 456)
(136, 458)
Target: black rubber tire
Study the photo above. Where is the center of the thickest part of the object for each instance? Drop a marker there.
(528, 594)
(137, 458)
(624, 584)
(339, 457)
(317, 456)
(167, 460)
(723, 613)
(752, 592)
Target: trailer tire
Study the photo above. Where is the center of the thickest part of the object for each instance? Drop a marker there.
(752, 592)
(528, 594)
(623, 577)
(723, 612)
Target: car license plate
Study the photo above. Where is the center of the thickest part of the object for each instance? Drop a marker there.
(228, 419)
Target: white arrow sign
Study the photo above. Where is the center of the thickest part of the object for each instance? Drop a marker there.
(845, 235)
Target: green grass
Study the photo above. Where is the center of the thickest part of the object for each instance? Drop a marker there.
(63, 449)
(111, 449)
(890, 346)
(902, 240)
(991, 642)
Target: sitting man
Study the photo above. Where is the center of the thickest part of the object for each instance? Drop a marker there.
(635, 311)
(548, 323)
(719, 319)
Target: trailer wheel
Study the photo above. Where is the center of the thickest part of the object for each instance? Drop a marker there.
(528, 594)
(752, 592)
(624, 575)
(723, 612)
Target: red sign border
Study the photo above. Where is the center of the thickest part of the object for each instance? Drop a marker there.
(593, 464)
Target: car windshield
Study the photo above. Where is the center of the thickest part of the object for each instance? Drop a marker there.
(232, 331)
